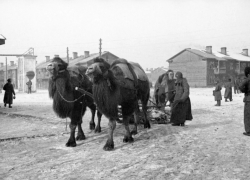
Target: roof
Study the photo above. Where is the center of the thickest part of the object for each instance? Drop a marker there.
(202, 53)
(83, 60)
(215, 55)
(79, 60)
(160, 68)
(2, 37)
(239, 56)
(45, 64)
(42, 65)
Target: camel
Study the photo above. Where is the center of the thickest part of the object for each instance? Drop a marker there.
(111, 89)
(67, 102)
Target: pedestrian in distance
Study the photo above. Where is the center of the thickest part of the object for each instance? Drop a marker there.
(181, 108)
(9, 94)
(245, 88)
(236, 85)
(228, 91)
(217, 93)
(29, 84)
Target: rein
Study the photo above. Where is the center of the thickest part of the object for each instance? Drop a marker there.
(84, 92)
(76, 88)
(68, 100)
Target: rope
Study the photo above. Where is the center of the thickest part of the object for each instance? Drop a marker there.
(68, 100)
(84, 92)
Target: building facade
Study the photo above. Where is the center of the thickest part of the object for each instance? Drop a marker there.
(26, 63)
(203, 67)
(11, 73)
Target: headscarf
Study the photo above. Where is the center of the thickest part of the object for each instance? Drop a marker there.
(179, 78)
(178, 75)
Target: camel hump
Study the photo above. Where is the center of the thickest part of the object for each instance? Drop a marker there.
(123, 65)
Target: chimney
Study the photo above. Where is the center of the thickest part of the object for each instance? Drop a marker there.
(245, 52)
(47, 58)
(75, 55)
(209, 49)
(86, 54)
(12, 63)
(224, 50)
(56, 55)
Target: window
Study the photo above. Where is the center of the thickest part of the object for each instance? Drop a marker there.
(242, 67)
(211, 66)
(231, 66)
(222, 65)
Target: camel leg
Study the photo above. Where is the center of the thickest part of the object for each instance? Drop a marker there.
(146, 121)
(92, 122)
(98, 127)
(80, 133)
(110, 142)
(136, 120)
(72, 142)
(128, 136)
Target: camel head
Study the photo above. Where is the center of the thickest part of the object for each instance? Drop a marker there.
(98, 69)
(56, 66)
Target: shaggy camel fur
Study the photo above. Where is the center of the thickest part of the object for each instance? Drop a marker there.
(111, 89)
(67, 102)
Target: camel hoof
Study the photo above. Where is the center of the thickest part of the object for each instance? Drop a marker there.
(147, 125)
(98, 129)
(91, 126)
(134, 132)
(128, 139)
(108, 146)
(80, 137)
(70, 144)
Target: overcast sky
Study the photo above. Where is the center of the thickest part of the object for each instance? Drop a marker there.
(145, 31)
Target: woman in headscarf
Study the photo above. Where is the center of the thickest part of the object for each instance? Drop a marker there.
(9, 93)
(217, 93)
(245, 88)
(181, 108)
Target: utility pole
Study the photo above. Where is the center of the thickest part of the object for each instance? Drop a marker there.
(68, 55)
(6, 68)
(100, 48)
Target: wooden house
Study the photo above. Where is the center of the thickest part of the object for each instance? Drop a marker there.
(203, 67)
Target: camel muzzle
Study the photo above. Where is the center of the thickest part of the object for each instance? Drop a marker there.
(50, 68)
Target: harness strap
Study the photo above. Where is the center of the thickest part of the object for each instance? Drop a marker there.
(134, 75)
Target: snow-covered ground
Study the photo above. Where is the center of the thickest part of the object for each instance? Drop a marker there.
(211, 146)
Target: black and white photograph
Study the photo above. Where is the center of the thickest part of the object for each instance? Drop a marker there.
(124, 89)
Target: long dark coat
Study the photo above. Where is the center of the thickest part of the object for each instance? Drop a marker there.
(228, 90)
(245, 88)
(9, 92)
(181, 108)
(217, 93)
